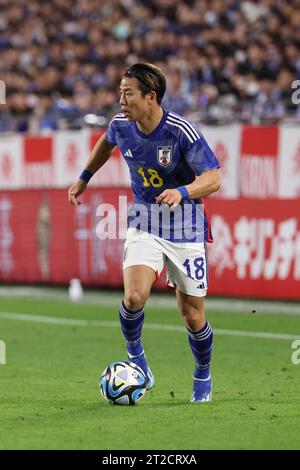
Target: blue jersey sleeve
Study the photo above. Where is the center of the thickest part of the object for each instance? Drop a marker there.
(110, 134)
(199, 155)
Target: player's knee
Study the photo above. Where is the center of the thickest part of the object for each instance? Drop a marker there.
(192, 313)
(134, 299)
(188, 311)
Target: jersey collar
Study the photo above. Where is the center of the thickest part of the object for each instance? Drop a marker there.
(156, 130)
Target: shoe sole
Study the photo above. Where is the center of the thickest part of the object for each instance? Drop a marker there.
(150, 385)
(209, 398)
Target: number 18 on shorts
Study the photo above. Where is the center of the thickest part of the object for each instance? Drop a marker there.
(186, 263)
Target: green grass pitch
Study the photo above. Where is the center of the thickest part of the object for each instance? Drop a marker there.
(50, 397)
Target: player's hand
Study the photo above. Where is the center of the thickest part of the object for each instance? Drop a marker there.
(75, 190)
(171, 197)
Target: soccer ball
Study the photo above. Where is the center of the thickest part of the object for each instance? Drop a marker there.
(123, 383)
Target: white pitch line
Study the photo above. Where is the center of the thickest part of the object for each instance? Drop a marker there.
(150, 326)
(43, 319)
(156, 300)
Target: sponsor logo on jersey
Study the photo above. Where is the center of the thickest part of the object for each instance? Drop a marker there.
(128, 154)
(164, 155)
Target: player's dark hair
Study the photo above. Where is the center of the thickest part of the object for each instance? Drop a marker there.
(150, 78)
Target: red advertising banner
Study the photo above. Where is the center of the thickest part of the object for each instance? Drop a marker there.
(38, 162)
(11, 167)
(256, 162)
(225, 143)
(259, 162)
(43, 239)
(257, 248)
(289, 169)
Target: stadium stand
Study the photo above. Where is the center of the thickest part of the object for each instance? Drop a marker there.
(226, 61)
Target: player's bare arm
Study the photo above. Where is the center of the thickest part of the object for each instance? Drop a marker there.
(204, 185)
(100, 154)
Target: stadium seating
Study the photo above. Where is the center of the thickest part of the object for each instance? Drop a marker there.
(225, 61)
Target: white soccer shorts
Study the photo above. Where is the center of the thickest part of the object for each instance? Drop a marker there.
(186, 263)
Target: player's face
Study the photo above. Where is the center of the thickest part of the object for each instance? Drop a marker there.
(134, 105)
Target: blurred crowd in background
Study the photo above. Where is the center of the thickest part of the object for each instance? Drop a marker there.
(225, 60)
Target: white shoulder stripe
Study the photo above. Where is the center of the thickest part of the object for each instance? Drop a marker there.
(187, 123)
(179, 118)
(119, 116)
(183, 125)
(191, 139)
(118, 119)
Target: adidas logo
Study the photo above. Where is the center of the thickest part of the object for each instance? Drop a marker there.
(128, 154)
(201, 286)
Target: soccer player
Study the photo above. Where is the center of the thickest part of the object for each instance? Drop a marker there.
(172, 168)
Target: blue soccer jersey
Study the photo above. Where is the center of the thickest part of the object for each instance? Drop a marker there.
(170, 156)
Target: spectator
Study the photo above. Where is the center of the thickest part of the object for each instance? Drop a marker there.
(226, 60)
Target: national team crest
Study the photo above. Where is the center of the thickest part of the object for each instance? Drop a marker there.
(164, 155)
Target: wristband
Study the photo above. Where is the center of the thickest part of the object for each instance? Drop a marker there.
(183, 191)
(86, 175)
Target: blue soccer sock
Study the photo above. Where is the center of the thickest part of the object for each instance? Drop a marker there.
(201, 346)
(132, 324)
